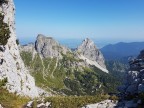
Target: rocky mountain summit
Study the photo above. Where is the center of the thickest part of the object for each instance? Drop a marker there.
(48, 47)
(91, 54)
(90, 51)
(12, 69)
(60, 68)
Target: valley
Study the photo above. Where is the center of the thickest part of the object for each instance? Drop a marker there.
(47, 74)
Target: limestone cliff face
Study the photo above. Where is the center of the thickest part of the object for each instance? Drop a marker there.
(48, 47)
(91, 54)
(134, 82)
(12, 66)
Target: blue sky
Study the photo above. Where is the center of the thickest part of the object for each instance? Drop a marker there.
(103, 20)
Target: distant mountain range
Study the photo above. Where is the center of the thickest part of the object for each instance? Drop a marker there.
(122, 50)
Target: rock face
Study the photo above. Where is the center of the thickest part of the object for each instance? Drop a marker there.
(41, 104)
(134, 82)
(91, 54)
(48, 47)
(12, 67)
(1, 106)
(131, 92)
(28, 48)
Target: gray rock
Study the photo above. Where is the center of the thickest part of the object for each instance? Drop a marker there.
(48, 47)
(91, 55)
(47, 104)
(1, 106)
(103, 104)
(29, 104)
(134, 82)
(27, 48)
(90, 51)
(141, 88)
(41, 105)
(18, 78)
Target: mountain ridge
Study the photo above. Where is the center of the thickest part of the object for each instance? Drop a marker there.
(48, 47)
(121, 50)
(58, 72)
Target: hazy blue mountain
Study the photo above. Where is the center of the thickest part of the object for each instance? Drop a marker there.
(122, 50)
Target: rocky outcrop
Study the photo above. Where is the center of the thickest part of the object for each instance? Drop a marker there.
(40, 104)
(116, 104)
(131, 92)
(12, 67)
(48, 47)
(28, 48)
(103, 104)
(91, 54)
(134, 82)
(1, 106)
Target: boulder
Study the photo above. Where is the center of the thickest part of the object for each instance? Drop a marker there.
(1, 106)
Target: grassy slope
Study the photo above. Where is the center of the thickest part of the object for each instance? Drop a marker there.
(73, 101)
(69, 80)
(10, 100)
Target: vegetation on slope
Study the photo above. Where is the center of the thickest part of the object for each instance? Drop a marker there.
(4, 30)
(118, 68)
(90, 82)
(10, 100)
(74, 101)
(64, 77)
(3, 1)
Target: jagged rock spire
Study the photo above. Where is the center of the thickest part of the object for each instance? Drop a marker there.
(89, 50)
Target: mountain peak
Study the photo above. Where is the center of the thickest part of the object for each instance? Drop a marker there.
(88, 42)
(87, 39)
(88, 51)
(49, 47)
